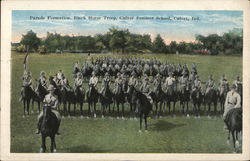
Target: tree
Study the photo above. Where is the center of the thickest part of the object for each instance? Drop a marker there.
(158, 45)
(30, 41)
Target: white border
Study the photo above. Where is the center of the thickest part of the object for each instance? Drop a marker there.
(8, 6)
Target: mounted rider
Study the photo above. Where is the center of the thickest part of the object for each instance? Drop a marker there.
(156, 81)
(145, 88)
(184, 82)
(105, 80)
(193, 69)
(197, 84)
(78, 82)
(209, 84)
(237, 83)
(52, 102)
(170, 83)
(223, 84)
(65, 83)
(27, 81)
(93, 80)
(233, 100)
(59, 75)
(118, 81)
(133, 80)
(42, 80)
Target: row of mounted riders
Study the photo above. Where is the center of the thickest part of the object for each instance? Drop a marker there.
(126, 94)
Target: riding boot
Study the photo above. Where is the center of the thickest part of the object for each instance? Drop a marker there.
(38, 126)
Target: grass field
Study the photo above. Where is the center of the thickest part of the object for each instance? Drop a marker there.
(166, 135)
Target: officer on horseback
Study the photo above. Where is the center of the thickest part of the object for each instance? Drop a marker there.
(51, 101)
(233, 100)
(106, 79)
(93, 80)
(193, 69)
(59, 75)
(223, 84)
(237, 83)
(42, 80)
(156, 81)
(78, 82)
(209, 84)
(65, 83)
(27, 81)
(118, 81)
(183, 82)
(196, 84)
(145, 88)
(170, 83)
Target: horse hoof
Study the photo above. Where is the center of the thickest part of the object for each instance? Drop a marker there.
(117, 118)
(209, 117)
(87, 117)
(41, 150)
(199, 117)
(228, 142)
(103, 116)
(94, 115)
(139, 131)
(188, 116)
(237, 143)
(54, 151)
(68, 117)
(122, 118)
(81, 116)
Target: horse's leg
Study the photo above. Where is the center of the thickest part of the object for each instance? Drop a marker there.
(122, 110)
(232, 132)
(81, 104)
(140, 121)
(187, 109)
(24, 108)
(32, 103)
(74, 109)
(161, 113)
(174, 108)
(94, 109)
(118, 109)
(156, 110)
(43, 150)
(88, 109)
(146, 125)
(28, 106)
(69, 109)
(39, 104)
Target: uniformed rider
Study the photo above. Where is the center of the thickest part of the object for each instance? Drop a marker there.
(106, 79)
(52, 102)
(78, 82)
(93, 80)
(27, 81)
(145, 89)
(170, 82)
(209, 84)
(223, 84)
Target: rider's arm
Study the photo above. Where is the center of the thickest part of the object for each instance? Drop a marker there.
(238, 99)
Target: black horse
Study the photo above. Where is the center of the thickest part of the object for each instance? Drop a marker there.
(222, 97)
(29, 94)
(233, 120)
(120, 98)
(49, 127)
(184, 96)
(171, 96)
(106, 98)
(158, 96)
(144, 108)
(132, 100)
(211, 98)
(92, 99)
(41, 92)
(68, 97)
(197, 99)
(57, 90)
(79, 99)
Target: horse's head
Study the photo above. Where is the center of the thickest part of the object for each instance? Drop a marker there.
(46, 112)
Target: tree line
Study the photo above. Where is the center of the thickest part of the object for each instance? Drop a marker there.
(123, 41)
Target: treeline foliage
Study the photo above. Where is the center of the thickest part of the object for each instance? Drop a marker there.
(122, 41)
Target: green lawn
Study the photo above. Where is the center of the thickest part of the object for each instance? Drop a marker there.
(166, 135)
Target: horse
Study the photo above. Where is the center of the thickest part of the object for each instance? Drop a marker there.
(57, 89)
(171, 96)
(197, 98)
(131, 97)
(184, 96)
(211, 97)
(75, 71)
(120, 98)
(49, 127)
(158, 97)
(92, 99)
(233, 121)
(68, 97)
(29, 94)
(41, 93)
(79, 98)
(106, 98)
(144, 108)
(222, 97)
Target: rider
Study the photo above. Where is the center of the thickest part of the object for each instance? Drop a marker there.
(27, 81)
(237, 82)
(170, 82)
(183, 82)
(133, 80)
(145, 89)
(197, 84)
(193, 69)
(42, 80)
(118, 81)
(65, 83)
(156, 81)
(223, 84)
(52, 101)
(78, 82)
(233, 100)
(106, 79)
(93, 80)
(209, 84)
(59, 75)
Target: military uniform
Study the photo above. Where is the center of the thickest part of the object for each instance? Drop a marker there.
(209, 85)
(197, 84)
(233, 100)
(223, 85)
(183, 83)
(78, 82)
(106, 79)
(27, 81)
(237, 83)
(65, 83)
(170, 83)
(93, 80)
(145, 89)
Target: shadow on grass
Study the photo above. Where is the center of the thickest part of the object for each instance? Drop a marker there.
(85, 149)
(162, 125)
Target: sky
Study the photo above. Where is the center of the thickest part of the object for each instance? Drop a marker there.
(180, 27)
